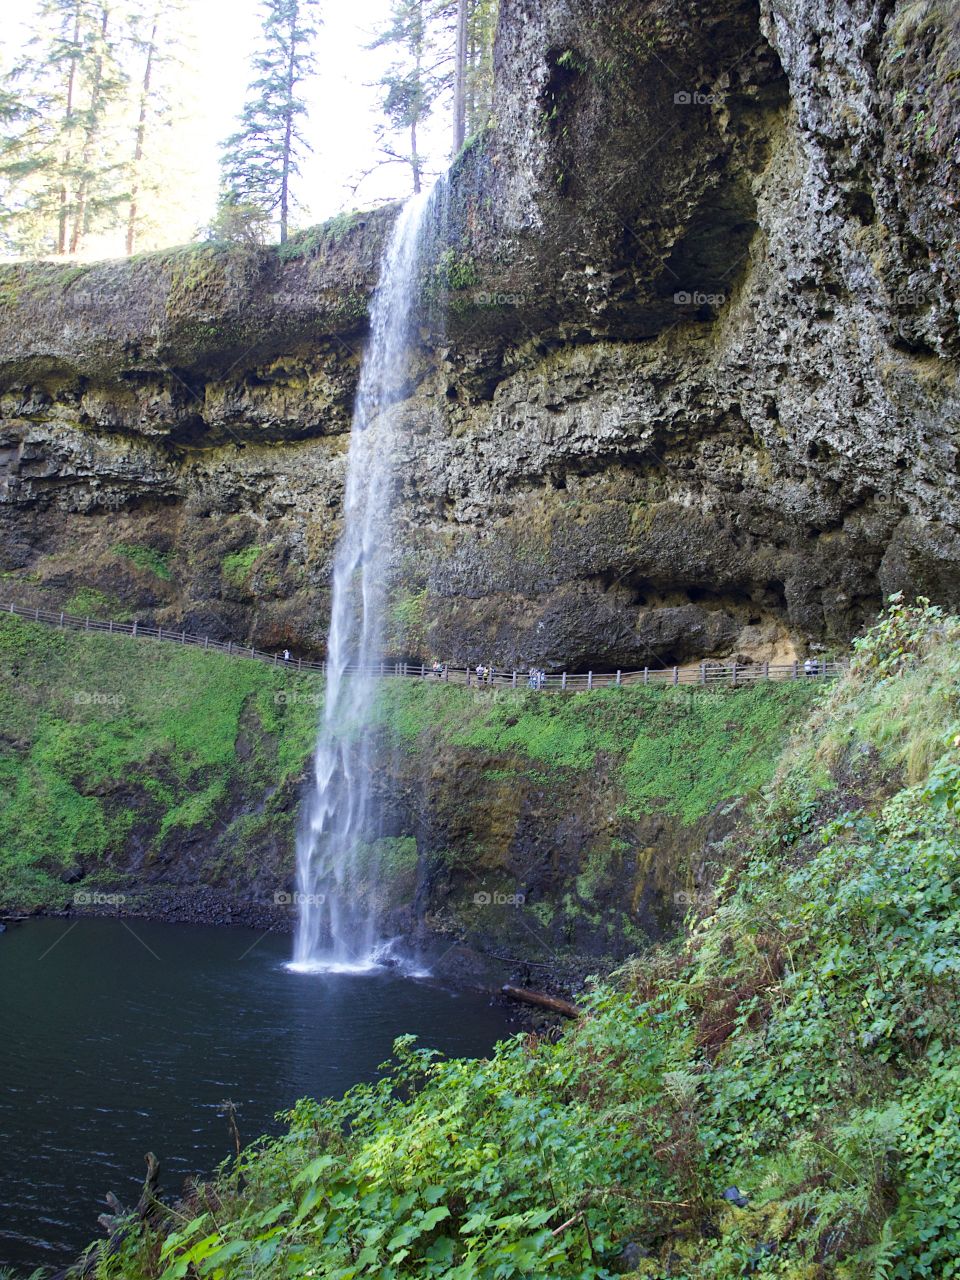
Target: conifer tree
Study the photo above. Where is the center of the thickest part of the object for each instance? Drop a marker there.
(96, 173)
(410, 85)
(444, 58)
(59, 162)
(481, 29)
(262, 158)
(461, 45)
(154, 35)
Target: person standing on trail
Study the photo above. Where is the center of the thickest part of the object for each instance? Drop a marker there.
(286, 655)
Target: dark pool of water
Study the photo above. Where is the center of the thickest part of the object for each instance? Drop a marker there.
(121, 1037)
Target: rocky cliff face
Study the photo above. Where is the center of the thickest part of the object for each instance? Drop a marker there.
(687, 380)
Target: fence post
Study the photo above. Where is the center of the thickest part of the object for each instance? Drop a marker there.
(676, 675)
(276, 659)
(183, 637)
(381, 666)
(229, 645)
(134, 630)
(468, 677)
(36, 614)
(160, 634)
(734, 675)
(703, 673)
(563, 681)
(766, 671)
(423, 670)
(206, 642)
(300, 664)
(796, 670)
(86, 624)
(61, 619)
(619, 674)
(589, 679)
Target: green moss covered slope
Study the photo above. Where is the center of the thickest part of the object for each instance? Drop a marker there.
(133, 765)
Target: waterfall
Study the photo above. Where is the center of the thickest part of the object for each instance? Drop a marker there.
(338, 929)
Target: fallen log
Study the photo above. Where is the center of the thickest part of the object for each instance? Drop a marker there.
(541, 1001)
(119, 1224)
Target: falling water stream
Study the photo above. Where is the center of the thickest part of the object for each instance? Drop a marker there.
(338, 929)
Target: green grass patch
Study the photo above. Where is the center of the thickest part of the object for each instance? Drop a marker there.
(88, 602)
(99, 732)
(678, 750)
(155, 562)
(236, 567)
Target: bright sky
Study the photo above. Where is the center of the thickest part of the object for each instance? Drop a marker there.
(342, 97)
(343, 105)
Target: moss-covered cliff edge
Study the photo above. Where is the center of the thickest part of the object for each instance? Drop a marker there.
(686, 386)
(532, 828)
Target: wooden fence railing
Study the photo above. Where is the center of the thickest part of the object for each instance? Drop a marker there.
(707, 674)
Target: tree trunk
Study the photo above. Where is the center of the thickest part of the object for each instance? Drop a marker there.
(68, 117)
(470, 90)
(419, 30)
(541, 1001)
(80, 216)
(415, 159)
(138, 148)
(288, 132)
(460, 78)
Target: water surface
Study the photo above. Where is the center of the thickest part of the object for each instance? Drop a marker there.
(119, 1037)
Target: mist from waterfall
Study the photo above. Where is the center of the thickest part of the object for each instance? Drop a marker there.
(338, 929)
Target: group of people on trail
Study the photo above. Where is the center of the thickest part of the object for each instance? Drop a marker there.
(811, 667)
(439, 669)
(536, 679)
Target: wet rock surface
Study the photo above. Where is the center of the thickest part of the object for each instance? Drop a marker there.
(687, 384)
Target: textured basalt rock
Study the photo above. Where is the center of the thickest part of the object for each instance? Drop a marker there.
(687, 381)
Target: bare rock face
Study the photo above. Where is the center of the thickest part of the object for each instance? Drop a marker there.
(686, 386)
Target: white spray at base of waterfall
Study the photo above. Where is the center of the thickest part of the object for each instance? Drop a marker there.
(338, 930)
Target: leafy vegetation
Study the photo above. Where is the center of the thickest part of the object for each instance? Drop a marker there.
(89, 602)
(107, 740)
(99, 733)
(779, 1096)
(238, 564)
(155, 562)
(312, 240)
(684, 751)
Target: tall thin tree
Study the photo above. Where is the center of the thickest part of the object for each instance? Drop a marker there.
(261, 159)
(150, 49)
(460, 75)
(411, 86)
